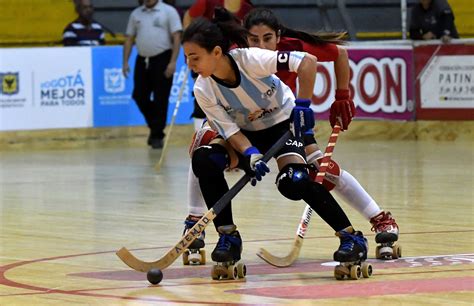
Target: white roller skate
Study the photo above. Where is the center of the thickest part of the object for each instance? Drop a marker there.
(195, 254)
(352, 254)
(227, 253)
(386, 234)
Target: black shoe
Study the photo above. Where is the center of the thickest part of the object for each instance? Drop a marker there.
(156, 143)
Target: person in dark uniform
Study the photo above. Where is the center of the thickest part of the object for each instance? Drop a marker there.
(156, 29)
(432, 19)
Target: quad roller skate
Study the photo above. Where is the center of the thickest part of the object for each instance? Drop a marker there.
(227, 254)
(386, 234)
(351, 254)
(195, 254)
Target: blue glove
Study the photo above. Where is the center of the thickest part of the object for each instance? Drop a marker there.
(303, 118)
(256, 168)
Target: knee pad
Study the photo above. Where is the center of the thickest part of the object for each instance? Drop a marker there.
(210, 161)
(333, 171)
(292, 181)
(202, 137)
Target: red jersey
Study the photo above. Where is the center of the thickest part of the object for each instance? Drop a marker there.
(205, 8)
(324, 52)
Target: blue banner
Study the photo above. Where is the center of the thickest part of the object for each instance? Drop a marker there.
(112, 92)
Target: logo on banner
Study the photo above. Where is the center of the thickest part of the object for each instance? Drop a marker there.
(68, 90)
(114, 81)
(10, 83)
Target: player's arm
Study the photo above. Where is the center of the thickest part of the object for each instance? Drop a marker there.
(342, 69)
(239, 142)
(307, 76)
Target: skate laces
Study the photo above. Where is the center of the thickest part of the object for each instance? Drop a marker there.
(384, 223)
(225, 241)
(348, 241)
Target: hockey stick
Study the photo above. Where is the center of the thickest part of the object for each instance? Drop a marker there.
(173, 119)
(303, 226)
(196, 230)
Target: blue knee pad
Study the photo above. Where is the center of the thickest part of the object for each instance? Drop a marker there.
(293, 181)
(210, 160)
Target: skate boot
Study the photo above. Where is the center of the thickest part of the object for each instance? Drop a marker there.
(386, 234)
(227, 254)
(351, 254)
(194, 254)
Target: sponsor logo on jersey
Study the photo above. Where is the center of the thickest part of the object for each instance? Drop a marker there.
(10, 83)
(114, 81)
(261, 113)
(270, 92)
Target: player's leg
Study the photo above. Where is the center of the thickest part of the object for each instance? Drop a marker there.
(196, 209)
(294, 183)
(209, 163)
(350, 190)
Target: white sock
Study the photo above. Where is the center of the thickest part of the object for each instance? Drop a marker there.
(349, 189)
(196, 204)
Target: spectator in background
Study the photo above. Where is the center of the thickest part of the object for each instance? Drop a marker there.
(432, 19)
(84, 31)
(156, 29)
(205, 8)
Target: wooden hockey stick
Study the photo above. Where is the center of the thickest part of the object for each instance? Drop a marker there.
(173, 119)
(196, 230)
(303, 225)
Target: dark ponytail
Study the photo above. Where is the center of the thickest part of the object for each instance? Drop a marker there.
(265, 16)
(223, 31)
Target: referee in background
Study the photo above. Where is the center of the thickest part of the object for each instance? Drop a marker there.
(155, 27)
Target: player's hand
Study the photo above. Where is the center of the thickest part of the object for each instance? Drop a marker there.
(256, 168)
(125, 69)
(170, 69)
(342, 110)
(303, 117)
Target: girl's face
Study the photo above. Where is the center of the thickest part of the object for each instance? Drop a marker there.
(200, 60)
(264, 37)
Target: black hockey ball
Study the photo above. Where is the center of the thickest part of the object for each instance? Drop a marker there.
(154, 276)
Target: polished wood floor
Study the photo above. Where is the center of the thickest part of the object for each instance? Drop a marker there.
(63, 214)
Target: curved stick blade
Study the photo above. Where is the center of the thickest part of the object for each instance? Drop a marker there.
(144, 266)
(282, 262)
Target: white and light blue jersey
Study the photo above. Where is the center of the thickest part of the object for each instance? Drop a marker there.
(259, 100)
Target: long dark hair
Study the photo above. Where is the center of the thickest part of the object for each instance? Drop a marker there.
(265, 16)
(223, 31)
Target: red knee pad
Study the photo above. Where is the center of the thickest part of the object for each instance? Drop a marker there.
(201, 138)
(332, 174)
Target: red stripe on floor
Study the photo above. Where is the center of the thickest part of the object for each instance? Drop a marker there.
(361, 288)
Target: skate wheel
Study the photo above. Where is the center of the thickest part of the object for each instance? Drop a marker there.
(215, 273)
(203, 257)
(377, 252)
(337, 275)
(340, 271)
(241, 270)
(186, 258)
(397, 251)
(366, 270)
(232, 272)
(355, 272)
